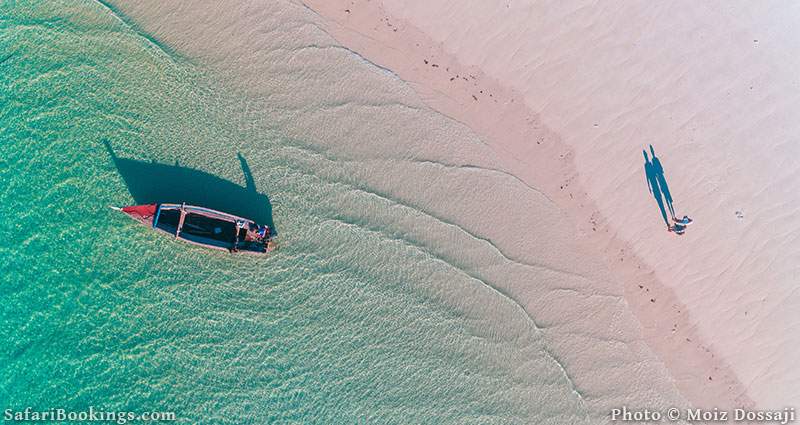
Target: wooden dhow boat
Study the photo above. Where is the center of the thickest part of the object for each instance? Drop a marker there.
(204, 227)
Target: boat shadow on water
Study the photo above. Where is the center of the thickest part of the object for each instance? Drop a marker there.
(152, 182)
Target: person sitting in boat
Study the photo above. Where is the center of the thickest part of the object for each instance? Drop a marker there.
(263, 232)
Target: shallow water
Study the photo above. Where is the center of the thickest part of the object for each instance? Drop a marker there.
(388, 300)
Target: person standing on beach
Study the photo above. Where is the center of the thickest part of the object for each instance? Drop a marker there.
(681, 225)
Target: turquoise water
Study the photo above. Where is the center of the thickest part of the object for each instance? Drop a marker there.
(351, 320)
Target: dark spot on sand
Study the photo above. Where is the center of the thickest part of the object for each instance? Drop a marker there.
(434, 65)
(347, 10)
(641, 286)
(452, 78)
(426, 61)
(652, 300)
(475, 98)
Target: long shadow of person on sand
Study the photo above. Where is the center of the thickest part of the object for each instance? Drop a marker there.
(653, 184)
(662, 181)
(151, 182)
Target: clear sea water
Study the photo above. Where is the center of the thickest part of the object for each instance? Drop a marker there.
(361, 316)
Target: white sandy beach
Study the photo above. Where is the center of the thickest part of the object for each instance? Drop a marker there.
(555, 102)
(712, 86)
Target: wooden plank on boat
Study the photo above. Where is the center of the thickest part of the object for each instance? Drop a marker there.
(158, 214)
(180, 222)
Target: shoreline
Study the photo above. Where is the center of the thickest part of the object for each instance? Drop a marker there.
(468, 96)
(724, 307)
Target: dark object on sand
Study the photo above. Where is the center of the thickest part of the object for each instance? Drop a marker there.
(678, 229)
(204, 227)
(680, 225)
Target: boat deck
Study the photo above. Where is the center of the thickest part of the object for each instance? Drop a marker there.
(209, 228)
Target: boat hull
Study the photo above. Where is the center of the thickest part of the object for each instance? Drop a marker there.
(204, 227)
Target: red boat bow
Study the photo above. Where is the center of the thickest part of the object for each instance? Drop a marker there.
(141, 212)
